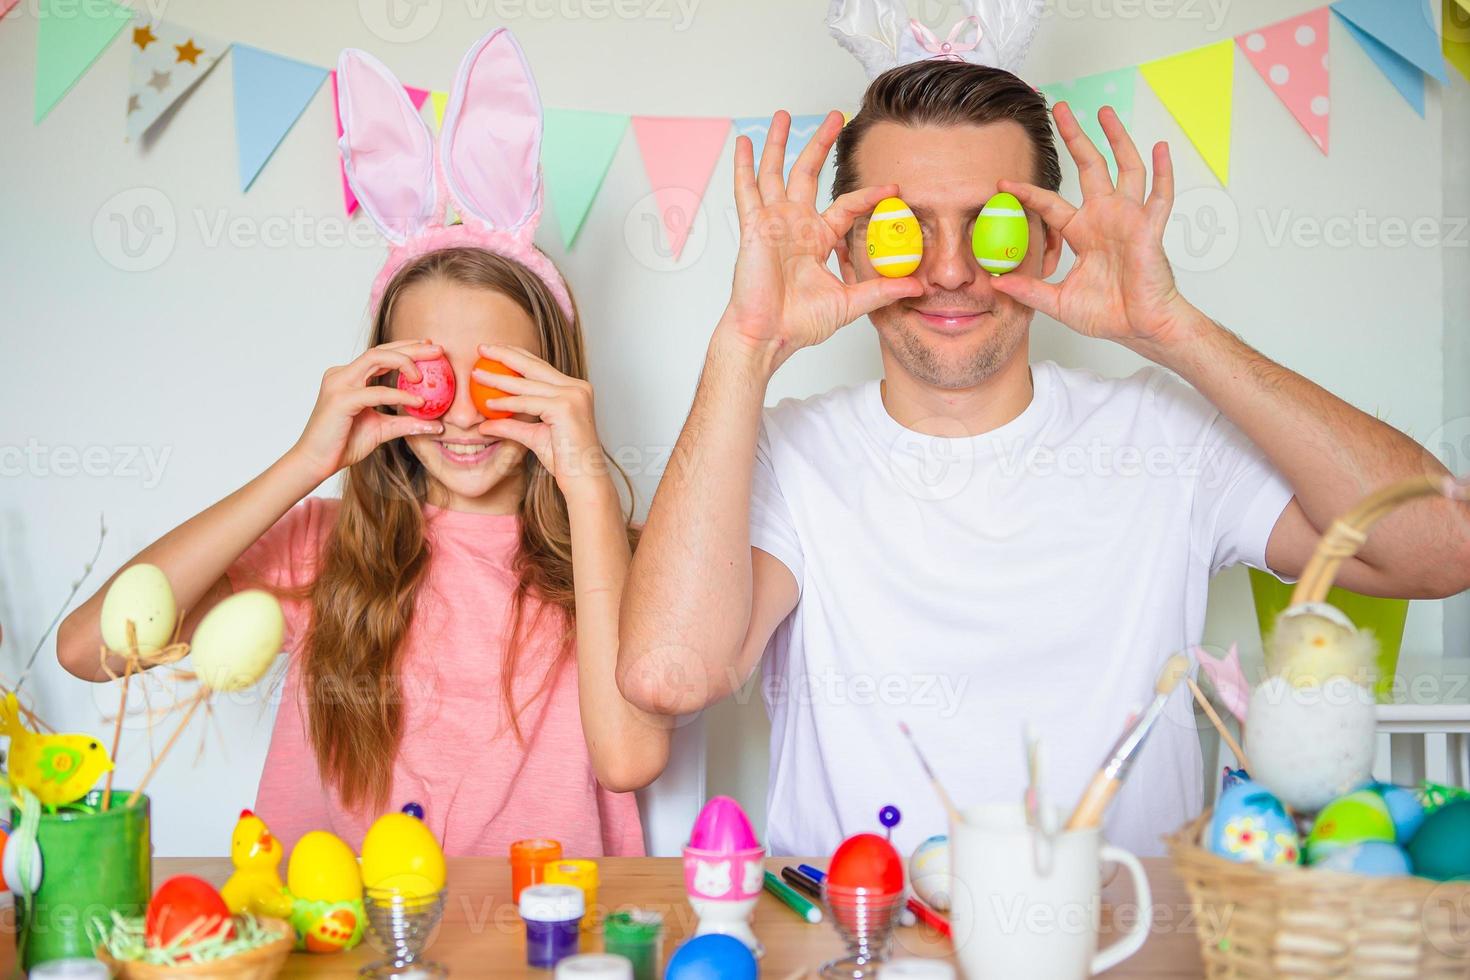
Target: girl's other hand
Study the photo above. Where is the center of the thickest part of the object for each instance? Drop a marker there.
(345, 425)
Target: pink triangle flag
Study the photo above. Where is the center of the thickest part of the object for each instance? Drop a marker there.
(1291, 56)
(415, 95)
(679, 154)
(6, 6)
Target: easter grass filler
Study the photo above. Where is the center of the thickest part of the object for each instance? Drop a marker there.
(124, 939)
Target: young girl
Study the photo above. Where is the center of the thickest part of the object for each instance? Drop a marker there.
(452, 619)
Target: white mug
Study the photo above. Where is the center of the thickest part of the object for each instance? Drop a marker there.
(1026, 907)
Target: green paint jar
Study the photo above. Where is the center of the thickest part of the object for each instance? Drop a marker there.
(637, 935)
(92, 863)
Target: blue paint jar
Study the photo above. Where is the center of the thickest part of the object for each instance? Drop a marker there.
(553, 916)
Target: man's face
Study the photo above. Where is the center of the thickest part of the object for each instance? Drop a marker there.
(960, 331)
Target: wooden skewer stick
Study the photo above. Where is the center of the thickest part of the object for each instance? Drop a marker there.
(193, 706)
(122, 707)
(1204, 702)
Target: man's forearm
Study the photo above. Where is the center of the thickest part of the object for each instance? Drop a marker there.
(687, 603)
(1331, 453)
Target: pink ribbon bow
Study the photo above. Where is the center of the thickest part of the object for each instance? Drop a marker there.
(949, 49)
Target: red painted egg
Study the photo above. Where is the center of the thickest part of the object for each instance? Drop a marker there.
(180, 902)
(866, 861)
(435, 386)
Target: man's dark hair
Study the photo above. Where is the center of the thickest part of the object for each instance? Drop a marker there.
(949, 93)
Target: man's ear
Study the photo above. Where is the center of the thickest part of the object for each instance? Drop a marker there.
(1052, 254)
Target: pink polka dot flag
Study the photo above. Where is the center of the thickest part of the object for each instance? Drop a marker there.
(1292, 57)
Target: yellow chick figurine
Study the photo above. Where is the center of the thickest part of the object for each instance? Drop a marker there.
(256, 885)
(59, 769)
(1315, 641)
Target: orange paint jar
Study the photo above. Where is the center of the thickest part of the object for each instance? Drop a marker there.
(528, 860)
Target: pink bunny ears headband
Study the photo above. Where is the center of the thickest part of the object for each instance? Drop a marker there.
(488, 161)
(881, 36)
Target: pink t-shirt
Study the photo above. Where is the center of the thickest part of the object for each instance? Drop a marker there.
(480, 788)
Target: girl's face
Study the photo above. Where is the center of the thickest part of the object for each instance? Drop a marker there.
(468, 471)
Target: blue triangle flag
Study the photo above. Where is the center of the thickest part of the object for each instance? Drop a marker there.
(803, 128)
(1402, 26)
(1404, 76)
(270, 93)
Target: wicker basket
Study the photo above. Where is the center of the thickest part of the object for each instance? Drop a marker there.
(261, 963)
(1273, 921)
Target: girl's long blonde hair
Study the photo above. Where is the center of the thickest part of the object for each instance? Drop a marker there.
(374, 560)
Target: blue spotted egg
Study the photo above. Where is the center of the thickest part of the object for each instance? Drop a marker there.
(1251, 826)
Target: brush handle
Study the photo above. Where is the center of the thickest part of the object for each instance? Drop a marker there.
(1094, 802)
(1241, 761)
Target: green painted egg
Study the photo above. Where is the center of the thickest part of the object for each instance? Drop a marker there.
(1001, 234)
(1441, 848)
(1350, 819)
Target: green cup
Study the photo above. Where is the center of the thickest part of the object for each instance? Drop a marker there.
(1384, 618)
(91, 864)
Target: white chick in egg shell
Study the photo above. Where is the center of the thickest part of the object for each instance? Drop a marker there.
(1312, 725)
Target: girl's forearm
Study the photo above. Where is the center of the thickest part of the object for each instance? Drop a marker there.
(628, 747)
(194, 556)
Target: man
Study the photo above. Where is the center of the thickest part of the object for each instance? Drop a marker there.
(976, 542)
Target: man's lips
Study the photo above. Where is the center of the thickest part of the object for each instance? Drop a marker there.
(950, 319)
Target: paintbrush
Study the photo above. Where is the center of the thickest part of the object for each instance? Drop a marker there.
(949, 807)
(1241, 762)
(1104, 785)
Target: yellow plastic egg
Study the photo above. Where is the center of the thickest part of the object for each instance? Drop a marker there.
(235, 642)
(323, 869)
(1001, 234)
(140, 594)
(895, 240)
(400, 852)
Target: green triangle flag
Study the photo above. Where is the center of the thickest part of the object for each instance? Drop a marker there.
(69, 38)
(576, 149)
(1089, 94)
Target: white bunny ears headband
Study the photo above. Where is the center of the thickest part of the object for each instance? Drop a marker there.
(488, 161)
(880, 34)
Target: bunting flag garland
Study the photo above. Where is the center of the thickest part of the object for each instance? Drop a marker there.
(6, 6)
(271, 92)
(415, 95)
(1457, 35)
(1085, 96)
(576, 150)
(1402, 26)
(69, 37)
(679, 155)
(803, 128)
(1197, 87)
(1399, 71)
(167, 62)
(1292, 56)
(441, 102)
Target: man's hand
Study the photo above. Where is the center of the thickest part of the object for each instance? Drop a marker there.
(1121, 287)
(784, 297)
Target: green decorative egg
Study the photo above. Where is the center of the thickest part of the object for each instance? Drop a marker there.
(1441, 848)
(1351, 819)
(1001, 234)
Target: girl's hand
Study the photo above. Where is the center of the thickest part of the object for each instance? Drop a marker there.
(564, 437)
(1121, 287)
(784, 297)
(345, 425)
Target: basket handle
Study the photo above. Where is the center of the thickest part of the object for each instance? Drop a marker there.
(1348, 533)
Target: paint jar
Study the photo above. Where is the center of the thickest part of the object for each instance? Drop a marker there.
(594, 966)
(553, 914)
(527, 859)
(638, 935)
(578, 873)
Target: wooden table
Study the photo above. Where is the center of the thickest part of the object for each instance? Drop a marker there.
(481, 935)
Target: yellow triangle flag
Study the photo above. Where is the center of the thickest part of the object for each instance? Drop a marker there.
(1196, 87)
(441, 102)
(1457, 36)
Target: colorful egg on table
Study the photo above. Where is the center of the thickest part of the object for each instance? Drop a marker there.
(723, 870)
(482, 394)
(1373, 857)
(929, 872)
(1404, 809)
(1001, 234)
(435, 386)
(1441, 848)
(237, 641)
(712, 957)
(1351, 819)
(186, 909)
(866, 861)
(10, 866)
(141, 595)
(895, 240)
(1251, 826)
(400, 853)
(326, 893)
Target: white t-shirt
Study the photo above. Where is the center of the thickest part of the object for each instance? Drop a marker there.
(1041, 572)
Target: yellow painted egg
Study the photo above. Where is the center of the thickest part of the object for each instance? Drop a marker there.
(323, 869)
(235, 642)
(400, 852)
(895, 240)
(140, 593)
(1001, 234)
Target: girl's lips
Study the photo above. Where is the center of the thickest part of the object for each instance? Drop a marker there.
(467, 459)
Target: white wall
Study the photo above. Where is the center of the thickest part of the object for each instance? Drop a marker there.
(213, 356)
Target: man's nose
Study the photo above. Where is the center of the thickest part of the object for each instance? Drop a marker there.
(949, 264)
